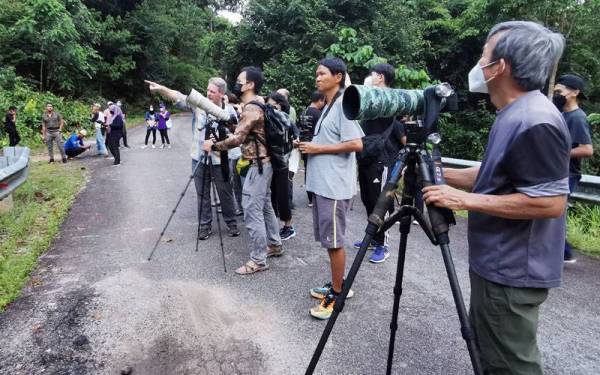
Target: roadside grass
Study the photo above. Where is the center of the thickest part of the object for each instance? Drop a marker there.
(27, 231)
(583, 228)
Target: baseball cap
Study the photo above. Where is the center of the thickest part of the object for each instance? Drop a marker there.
(574, 82)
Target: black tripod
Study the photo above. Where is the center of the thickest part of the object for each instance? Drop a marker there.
(421, 170)
(207, 162)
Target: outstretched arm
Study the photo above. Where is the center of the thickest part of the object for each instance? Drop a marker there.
(165, 92)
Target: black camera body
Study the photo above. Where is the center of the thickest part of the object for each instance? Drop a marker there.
(306, 127)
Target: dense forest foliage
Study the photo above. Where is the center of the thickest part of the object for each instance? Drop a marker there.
(91, 50)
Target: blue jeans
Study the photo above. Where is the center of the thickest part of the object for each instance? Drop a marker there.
(573, 181)
(100, 143)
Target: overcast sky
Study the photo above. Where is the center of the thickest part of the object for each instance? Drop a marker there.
(231, 16)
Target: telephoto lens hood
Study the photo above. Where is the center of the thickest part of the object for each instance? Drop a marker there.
(367, 103)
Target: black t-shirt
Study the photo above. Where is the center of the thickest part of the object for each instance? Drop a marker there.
(579, 128)
(307, 121)
(312, 115)
(9, 123)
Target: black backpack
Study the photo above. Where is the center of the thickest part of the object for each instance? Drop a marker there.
(380, 148)
(279, 137)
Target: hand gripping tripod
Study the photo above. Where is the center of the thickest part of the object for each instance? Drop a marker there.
(421, 168)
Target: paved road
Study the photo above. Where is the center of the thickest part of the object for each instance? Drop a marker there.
(95, 305)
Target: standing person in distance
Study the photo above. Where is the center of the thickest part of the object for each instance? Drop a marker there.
(370, 165)
(10, 125)
(306, 125)
(163, 117)
(280, 181)
(516, 198)
(115, 132)
(120, 105)
(52, 126)
(568, 90)
(332, 178)
(98, 120)
(151, 119)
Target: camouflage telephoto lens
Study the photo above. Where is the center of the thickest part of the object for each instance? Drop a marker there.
(367, 103)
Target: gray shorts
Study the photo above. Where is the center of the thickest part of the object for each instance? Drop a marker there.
(329, 221)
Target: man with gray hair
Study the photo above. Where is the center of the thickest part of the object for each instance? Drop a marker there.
(516, 199)
(205, 126)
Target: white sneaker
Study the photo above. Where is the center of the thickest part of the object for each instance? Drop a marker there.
(415, 222)
(169, 146)
(153, 146)
(162, 146)
(144, 147)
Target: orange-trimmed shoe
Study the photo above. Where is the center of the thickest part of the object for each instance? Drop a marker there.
(324, 309)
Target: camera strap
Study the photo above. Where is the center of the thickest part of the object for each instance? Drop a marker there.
(322, 118)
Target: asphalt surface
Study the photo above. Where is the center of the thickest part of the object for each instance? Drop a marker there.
(95, 305)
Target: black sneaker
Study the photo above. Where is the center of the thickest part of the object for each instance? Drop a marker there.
(64, 160)
(233, 231)
(205, 233)
(287, 232)
(569, 259)
(50, 161)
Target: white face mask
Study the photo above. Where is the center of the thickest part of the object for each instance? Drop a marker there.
(477, 82)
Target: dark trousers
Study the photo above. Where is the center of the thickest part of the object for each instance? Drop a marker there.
(224, 190)
(114, 138)
(310, 194)
(125, 135)
(369, 179)
(72, 152)
(13, 137)
(573, 181)
(505, 320)
(148, 131)
(291, 190)
(280, 195)
(164, 135)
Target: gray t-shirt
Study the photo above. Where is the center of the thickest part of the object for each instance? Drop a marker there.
(333, 176)
(527, 152)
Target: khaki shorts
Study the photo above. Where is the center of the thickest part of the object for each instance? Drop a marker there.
(329, 221)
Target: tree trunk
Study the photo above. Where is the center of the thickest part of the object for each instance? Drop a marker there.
(41, 75)
(552, 80)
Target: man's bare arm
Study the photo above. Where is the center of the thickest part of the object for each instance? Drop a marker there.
(461, 178)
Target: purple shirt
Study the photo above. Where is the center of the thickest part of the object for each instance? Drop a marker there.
(162, 119)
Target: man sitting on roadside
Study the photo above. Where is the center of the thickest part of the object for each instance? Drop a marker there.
(75, 145)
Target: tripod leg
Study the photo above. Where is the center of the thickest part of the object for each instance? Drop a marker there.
(214, 191)
(162, 232)
(465, 325)
(339, 303)
(404, 230)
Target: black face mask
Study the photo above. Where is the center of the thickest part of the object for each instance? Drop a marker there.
(559, 101)
(237, 90)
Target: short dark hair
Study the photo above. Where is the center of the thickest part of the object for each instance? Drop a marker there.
(388, 72)
(335, 66)
(281, 100)
(48, 103)
(316, 97)
(254, 74)
(12, 107)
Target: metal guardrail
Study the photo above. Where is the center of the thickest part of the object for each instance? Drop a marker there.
(14, 169)
(588, 189)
